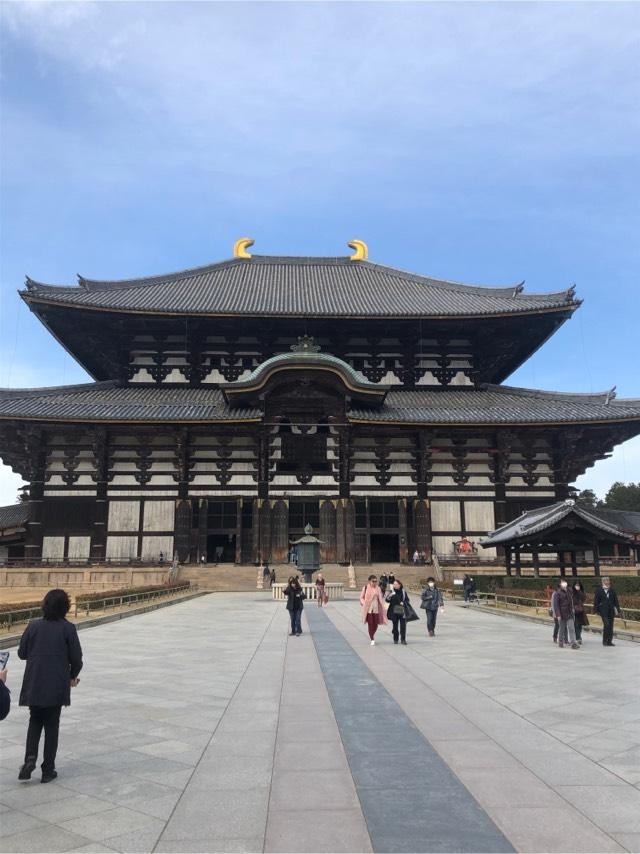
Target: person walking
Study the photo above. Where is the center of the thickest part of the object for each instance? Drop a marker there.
(556, 621)
(563, 604)
(295, 598)
(272, 577)
(383, 583)
(605, 603)
(320, 585)
(432, 602)
(5, 696)
(398, 599)
(579, 612)
(51, 648)
(416, 557)
(373, 610)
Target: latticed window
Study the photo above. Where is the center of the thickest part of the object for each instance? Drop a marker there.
(303, 513)
(222, 514)
(383, 514)
(361, 514)
(300, 452)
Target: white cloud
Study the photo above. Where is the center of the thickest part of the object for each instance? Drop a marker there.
(10, 483)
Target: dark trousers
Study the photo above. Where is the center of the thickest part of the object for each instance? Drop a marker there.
(400, 622)
(47, 718)
(556, 630)
(607, 628)
(578, 625)
(432, 616)
(372, 625)
(296, 621)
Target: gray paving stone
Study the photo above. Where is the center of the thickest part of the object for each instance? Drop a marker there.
(616, 809)
(483, 753)
(630, 841)
(223, 844)
(62, 809)
(309, 756)
(295, 790)
(556, 830)
(199, 816)
(100, 826)
(135, 842)
(15, 822)
(46, 839)
(317, 830)
(229, 773)
(91, 848)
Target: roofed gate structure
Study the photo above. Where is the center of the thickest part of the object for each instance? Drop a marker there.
(235, 403)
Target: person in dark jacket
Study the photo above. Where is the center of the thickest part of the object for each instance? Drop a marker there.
(5, 696)
(579, 613)
(295, 599)
(432, 601)
(51, 648)
(565, 615)
(382, 583)
(605, 603)
(398, 599)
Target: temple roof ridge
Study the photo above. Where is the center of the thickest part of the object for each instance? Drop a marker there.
(606, 397)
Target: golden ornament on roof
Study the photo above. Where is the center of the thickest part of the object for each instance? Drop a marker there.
(361, 252)
(240, 247)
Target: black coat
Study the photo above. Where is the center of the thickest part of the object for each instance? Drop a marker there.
(606, 607)
(295, 597)
(432, 599)
(5, 701)
(54, 656)
(564, 604)
(398, 597)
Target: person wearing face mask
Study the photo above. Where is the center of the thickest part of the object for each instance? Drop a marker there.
(432, 601)
(396, 612)
(605, 603)
(565, 614)
(580, 615)
(556, 622)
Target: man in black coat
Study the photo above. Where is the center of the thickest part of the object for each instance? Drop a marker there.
(5, 696)
(605, 603)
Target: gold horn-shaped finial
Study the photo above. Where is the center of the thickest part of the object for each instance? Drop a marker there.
(240, 247)
(361, 252)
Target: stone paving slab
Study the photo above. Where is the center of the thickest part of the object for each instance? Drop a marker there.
(202, 727)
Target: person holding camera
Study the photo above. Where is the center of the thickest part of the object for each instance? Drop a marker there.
(398, 600)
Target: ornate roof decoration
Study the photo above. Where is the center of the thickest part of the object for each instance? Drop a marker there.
(361, 250)
(241, 246)
(535, 522)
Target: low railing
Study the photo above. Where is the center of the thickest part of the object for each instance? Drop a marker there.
(333, 589)
(521, 603)
(18, 616)
(81, 562)
(127, 599)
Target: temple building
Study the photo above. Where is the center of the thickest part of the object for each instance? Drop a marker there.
(234, 403)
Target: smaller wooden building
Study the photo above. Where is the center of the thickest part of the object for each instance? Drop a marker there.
(560, 535)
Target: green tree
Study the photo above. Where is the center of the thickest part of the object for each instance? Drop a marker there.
(623, 496)
(587, 498)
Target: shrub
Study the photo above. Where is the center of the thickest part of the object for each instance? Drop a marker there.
(83, 598)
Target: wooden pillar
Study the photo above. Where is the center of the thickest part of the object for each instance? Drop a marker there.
(403, 530)
(574, 566)
(255, 531)
(344, 461)
(561, 559)
(279, 531)
(422, 522)
(238, 555)
(98, 547)
(507, 557)
(345, 530)
(596, 558)
(536, 563)
(341, 543)
(35, 446)
(203, 511)
(500, 511)
(518, 564)
(327, 530)
(264, 519)
(182, 529)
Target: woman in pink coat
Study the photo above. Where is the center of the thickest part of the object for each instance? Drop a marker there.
(374, 612)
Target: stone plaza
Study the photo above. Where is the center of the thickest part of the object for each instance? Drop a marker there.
(205, 727)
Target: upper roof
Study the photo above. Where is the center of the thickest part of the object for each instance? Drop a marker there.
(534, 522)
(493, 405)
(626, 520)
(272, 286)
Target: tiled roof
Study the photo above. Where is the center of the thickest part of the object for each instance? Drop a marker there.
(13, 516)
(626, 520)
(106, 401)
(302, 287)
(499, 405)
(542, 518)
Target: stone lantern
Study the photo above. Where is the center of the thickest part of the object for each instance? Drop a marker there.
(308, 550)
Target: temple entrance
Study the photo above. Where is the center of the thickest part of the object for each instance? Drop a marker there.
(385, 548)
(221, 548)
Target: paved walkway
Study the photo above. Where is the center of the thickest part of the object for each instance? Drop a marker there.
(204, 727)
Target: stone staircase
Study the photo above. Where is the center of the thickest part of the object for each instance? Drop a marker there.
(226, 577)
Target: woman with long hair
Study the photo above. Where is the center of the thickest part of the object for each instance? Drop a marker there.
(398, 600)
(51, 648)
(579, 613)
(373, 610)
(295, 599)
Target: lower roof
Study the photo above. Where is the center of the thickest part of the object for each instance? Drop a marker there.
(493, 405)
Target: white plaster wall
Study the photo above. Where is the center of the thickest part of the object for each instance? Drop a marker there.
(121, 548)
(152, 546)
(53, 548)
(124, 515)
(158, 516)
(445, 516)
(479, 515)
(79, 547)
(443, 545)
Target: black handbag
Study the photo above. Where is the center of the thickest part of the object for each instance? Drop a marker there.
(398, 611)
(410, 614)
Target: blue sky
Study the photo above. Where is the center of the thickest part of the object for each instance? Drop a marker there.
(483, 142)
